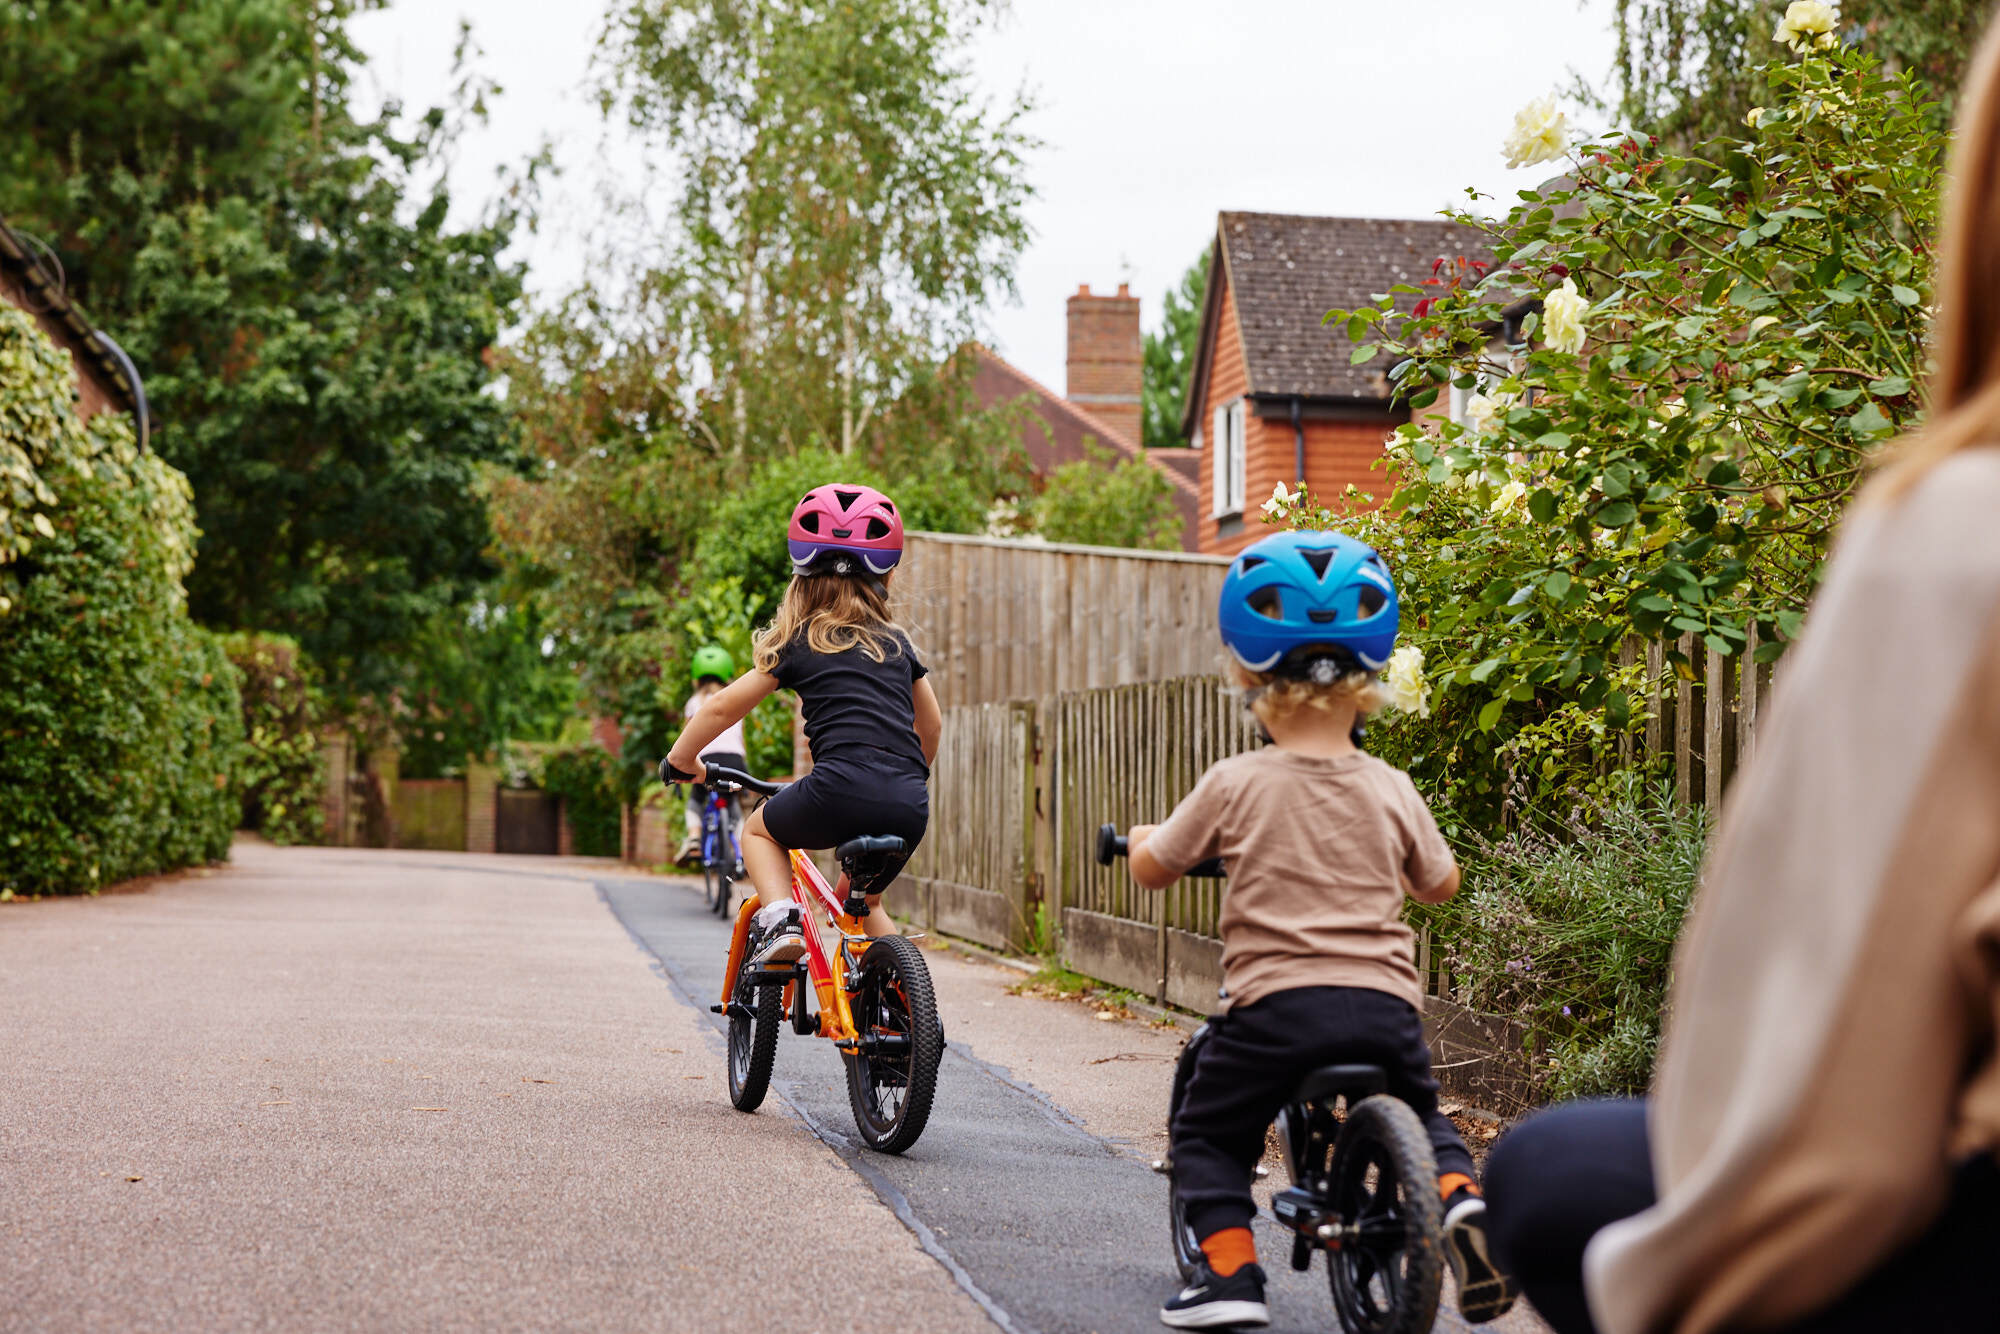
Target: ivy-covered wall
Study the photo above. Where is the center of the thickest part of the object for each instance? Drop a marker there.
(121, 725)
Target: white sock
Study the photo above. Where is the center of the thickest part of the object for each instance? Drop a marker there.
(772, 914)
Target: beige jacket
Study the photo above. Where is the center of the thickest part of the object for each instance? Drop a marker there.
(1829, 1050)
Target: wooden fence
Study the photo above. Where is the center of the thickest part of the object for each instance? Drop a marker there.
(1005, 620)
(1021, 787)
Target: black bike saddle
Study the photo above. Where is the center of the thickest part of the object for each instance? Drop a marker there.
(865, 859)
(1353, 1082)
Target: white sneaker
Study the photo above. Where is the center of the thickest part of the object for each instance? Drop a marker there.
(782, 939)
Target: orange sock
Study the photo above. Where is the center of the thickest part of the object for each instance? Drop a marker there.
(1451, 1181)
(1229, 1250)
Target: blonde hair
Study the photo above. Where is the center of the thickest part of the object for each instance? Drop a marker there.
(1277, 698)
(1964, 389)
(833, 613)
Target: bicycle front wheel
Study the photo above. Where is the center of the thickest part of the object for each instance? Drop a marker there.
(715, 887)
(892, 1076)
(753, 1042)
(1386, 1274)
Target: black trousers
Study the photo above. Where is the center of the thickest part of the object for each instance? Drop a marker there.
(1251, 1065)
(1562, 1174)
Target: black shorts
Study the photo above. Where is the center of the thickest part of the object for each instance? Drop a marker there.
(835, 802)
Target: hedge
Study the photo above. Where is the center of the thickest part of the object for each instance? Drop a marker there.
(120, 720)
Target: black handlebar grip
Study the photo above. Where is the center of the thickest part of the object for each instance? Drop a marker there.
(1110, 844)
(670, 775)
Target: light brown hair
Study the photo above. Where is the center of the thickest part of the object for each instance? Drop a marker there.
(832, 613)
(1964, 389)
(1279, 697)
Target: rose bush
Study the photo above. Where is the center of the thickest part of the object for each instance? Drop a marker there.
(1709, 347)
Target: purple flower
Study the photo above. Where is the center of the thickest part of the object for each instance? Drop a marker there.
(1565, 1010)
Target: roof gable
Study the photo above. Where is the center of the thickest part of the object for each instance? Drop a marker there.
(1285, 271)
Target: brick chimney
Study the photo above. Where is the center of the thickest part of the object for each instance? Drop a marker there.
(1105, 370)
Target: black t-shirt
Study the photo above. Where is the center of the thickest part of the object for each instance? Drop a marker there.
(857, 711)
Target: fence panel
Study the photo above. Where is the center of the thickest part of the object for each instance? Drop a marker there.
(1005, 620)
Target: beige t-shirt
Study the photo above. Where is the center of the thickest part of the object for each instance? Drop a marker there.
(1320, 853)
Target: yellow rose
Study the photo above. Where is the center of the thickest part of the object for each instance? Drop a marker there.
(1562, 317)
(1540, 134)
(1805, 21)
(1405, 683)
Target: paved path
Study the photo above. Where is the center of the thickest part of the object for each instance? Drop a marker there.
(261, 1047)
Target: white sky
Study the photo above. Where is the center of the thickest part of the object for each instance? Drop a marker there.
(1156, 115)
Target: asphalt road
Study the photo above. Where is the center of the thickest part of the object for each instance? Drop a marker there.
(328, 1089)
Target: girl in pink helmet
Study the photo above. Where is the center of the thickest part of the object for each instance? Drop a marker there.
(871, 719)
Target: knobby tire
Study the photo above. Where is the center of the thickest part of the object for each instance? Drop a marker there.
(895, 997)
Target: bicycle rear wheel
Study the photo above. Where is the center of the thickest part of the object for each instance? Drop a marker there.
(1386, 1273)
(753, 1042)
(892, 1078)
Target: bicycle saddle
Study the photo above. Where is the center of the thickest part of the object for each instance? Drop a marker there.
(866, 858)
(1353, 1082)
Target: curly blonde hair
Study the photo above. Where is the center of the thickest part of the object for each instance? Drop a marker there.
(833, 613)
(1275, 698)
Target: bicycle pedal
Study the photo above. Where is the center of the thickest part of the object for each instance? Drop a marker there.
(1164, 1166)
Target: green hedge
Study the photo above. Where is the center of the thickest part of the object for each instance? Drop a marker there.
(283, 771)
(585, 779)
(120, 721)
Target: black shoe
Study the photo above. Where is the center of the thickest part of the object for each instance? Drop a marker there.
(780, 945)
(1209, 1302)
(1484, 1293)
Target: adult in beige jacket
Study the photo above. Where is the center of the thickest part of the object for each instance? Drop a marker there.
(1817, 1152)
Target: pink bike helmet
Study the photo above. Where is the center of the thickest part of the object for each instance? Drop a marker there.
(845, 529)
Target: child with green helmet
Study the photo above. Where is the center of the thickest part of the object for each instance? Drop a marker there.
(712, 669)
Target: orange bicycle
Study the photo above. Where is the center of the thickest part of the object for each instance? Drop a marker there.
(872, 995)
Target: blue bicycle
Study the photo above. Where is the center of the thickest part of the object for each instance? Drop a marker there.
(721, 849)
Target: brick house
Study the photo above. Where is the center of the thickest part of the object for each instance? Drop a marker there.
(105, 376)
(1101, 402)
(1272, 397)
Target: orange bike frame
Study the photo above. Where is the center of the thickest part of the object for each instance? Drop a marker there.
(826, 969)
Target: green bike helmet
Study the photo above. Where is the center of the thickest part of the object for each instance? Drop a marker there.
(713, 660)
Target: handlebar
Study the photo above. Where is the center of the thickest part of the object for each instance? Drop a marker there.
(719, 776)
(1112, 844)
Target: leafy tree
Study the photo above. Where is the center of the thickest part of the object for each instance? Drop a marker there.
(480, 678)
(1722, 339)
(282, 776)
(313, 335)
(1100, 503)
(1168, 356)
(1687, 70)
(846, 204)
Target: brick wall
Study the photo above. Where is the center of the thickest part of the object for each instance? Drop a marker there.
(1105, 367)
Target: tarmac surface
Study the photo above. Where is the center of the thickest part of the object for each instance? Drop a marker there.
(328, 1089)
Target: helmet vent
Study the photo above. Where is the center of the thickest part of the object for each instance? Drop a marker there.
(1371, 600)
(846, 498)
(810, 521)
(1319, 559)
(1323, 617)
(875, 528)
(1267, 602)
(1250, 563)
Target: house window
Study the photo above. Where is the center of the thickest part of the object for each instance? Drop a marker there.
(1227, 478)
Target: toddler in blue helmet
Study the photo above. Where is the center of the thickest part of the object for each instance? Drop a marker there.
(1321, 841)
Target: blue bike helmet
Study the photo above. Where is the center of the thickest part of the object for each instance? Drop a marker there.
(1290, 593)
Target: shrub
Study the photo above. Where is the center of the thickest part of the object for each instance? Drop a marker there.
(1569, 930)
(1098, 503)
(283, 774)
(1709, 346)
(585, 779)
(120, 721)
